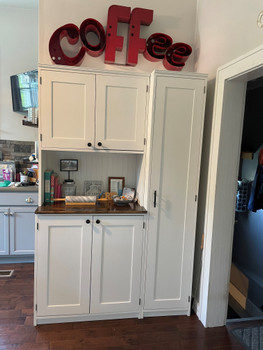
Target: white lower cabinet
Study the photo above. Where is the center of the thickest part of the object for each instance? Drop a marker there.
(116, 264)
(63, 258)
(79, 254)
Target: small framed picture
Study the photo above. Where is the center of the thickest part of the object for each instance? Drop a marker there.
(116, 184)
(129, 193)
(68, 164)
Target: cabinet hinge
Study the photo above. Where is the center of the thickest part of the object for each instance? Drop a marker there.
(143, 225)
(147, 88)
(37, 226)
(189, 299)
(40, 137)
(144, 141)
(40, 80)
(196, 197)
(36, 307)
(140, 301)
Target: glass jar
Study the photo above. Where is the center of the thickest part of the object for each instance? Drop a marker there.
(68, 188)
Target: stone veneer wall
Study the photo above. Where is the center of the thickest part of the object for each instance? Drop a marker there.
(16, 150)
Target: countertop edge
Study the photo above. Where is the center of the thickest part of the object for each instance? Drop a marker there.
(62, 209)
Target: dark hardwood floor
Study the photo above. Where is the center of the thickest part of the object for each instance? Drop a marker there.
(155, 333)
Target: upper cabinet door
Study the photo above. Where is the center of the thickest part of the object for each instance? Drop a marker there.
(120, 112)
(174, 178)
(67, 109)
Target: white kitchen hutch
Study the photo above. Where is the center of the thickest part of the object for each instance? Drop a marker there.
(103, 264)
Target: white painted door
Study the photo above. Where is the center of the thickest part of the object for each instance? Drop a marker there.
(174, 177)
(4, 231)
(120, 112)
(22, 230)
(116, 264)
(63, 265)
(67, 109)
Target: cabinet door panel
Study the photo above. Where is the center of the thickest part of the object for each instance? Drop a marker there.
(175, 166)
(116, 264)
(120, 112)
(63, 266)
(4, 231)
(22, 230)
(67, 109)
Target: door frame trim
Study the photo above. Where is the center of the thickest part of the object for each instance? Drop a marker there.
(224, 157)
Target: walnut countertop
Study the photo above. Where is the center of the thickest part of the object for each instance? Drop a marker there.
(100, 208)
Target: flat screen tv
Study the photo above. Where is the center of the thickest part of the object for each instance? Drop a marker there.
(24, 88)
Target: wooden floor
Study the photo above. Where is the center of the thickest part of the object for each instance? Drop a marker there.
(156, 333)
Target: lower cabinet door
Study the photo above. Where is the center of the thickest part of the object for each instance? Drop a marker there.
(63, 259)
(4, 229)
(116, 263)
(22, 230)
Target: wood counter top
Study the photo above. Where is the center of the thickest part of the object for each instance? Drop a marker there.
(99, 208)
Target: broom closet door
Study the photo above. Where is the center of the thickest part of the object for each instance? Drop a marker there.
(174, 178)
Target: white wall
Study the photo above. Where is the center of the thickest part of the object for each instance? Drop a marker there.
(225, 30)
(174, 17)
(18, 53)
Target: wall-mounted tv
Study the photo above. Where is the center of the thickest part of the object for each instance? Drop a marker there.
(24, 88)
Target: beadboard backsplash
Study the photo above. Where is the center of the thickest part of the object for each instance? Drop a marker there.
(16, 150)
(96, 166)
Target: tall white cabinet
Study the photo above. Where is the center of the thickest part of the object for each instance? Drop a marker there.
(175, 152)
(98, 265)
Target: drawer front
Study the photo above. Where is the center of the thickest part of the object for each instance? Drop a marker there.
(14, 198)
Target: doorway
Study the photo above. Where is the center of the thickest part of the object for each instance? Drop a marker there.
(221, 188)
(246, 277)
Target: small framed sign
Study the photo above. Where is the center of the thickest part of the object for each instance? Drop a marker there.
(68, 164)
(116, 184)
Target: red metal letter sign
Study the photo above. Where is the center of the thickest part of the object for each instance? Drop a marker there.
(91, 25)
(156, 46)
(136, 44)
(71, 31)
(113, 41)
(176, 56)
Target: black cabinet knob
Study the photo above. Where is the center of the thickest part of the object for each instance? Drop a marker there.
(97, 221)
(88, 221)
(89, 144)
(99, 144)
